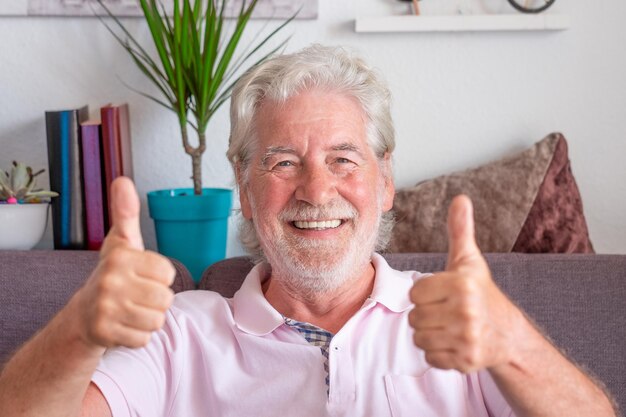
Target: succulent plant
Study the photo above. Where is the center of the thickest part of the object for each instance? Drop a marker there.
(20, 186)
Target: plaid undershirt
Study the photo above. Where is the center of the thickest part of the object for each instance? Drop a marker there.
(315, 336)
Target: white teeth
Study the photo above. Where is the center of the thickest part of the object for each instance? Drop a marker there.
(327, 224)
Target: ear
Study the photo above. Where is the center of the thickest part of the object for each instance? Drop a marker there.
(246, 209)
(244, 201)
(389, 187)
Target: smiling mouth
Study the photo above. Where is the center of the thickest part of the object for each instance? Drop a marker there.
(317, 225)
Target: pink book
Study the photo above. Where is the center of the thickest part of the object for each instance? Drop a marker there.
(93, 180)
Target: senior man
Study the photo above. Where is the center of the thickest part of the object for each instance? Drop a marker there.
(322, 326)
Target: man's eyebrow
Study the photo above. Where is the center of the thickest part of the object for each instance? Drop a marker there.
(349, 147)
(273, 150)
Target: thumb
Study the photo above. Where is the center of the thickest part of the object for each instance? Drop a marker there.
(125, 208)
(461, 238)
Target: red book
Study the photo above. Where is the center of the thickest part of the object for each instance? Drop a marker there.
(116, 144)
(93, 180)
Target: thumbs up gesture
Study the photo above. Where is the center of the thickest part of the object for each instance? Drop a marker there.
(125, 298)
(461, 318)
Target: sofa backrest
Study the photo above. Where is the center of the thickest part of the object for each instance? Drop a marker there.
(578, 300)
(34, 285)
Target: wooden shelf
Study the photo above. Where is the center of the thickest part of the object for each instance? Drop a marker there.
(463, 23)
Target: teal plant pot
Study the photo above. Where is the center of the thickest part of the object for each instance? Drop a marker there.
(191, 228)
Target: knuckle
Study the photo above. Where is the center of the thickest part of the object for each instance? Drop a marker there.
(144, 339)
(103, 310)
(135, 338)
(163, 298)
(437, 360)
(134, 342)
(101, 322)
(413, 317)
(107, 285)
(465, 287)
(468, 312)
(170, 270)
(463, 368)
(470, 335)
(471, 359)
(158, 321)
(168, 274)
(117, 256)
(161, 262)
(100, 333)
(112, 265)
(169, 298)
(155, 298)
(417, 339)
(149, 321)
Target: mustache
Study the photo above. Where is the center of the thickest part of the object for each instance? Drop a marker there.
(300, 210)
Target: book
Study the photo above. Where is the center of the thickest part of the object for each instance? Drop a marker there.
(96, 213)
(65, 171)
(116, 144)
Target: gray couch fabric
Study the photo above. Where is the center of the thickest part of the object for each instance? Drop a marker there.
(34, 285)
(579, 300)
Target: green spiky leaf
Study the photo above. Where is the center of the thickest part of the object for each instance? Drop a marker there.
(197, 58)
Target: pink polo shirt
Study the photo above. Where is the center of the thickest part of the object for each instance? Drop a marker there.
(237, 357)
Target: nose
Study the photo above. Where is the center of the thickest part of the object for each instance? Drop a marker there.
(317, 186)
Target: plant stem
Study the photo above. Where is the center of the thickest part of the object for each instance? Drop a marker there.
(196, 162)
(196, 157)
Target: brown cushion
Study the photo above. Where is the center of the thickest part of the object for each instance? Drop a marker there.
(528, 202)
(555, 223)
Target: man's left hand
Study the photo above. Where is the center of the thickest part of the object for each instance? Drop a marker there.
(461, 318)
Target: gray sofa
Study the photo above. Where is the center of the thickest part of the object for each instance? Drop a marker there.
(579, 300)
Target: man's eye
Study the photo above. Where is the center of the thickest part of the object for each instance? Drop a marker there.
(284, 164)
(343, 161)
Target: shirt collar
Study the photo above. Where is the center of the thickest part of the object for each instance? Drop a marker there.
(252, 312)
(391, 287)
(255, 315)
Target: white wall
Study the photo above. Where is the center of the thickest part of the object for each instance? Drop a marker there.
(461, 99)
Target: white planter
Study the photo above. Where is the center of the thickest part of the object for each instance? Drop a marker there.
(22, 225)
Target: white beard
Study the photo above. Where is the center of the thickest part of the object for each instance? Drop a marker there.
(312, 267)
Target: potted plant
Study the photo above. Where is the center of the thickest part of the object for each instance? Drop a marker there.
(195, 71)
(23, 208)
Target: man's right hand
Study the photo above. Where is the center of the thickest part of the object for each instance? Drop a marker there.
(127, 295)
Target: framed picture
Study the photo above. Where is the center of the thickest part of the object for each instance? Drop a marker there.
(278, 9)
